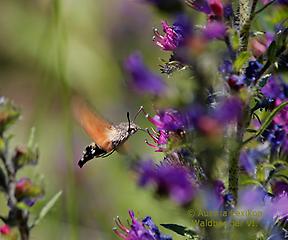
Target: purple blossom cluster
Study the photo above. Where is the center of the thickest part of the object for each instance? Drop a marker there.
(139, 230)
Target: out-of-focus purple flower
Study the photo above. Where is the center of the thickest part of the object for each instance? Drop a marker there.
(259, 45)
(214, 30)
(228, 10)
(219, 189)
(229, 110)
(139, 230)
(200, 5)
(273, 89)
(27, 192)
(282, 117)
(174, 36)
(213, 8)
(277, 137)
(174, 181)
(142, 79)
(251, 157)
(271, 208)
(226, 67)
(5, 230)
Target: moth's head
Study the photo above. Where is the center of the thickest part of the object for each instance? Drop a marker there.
(132, 128)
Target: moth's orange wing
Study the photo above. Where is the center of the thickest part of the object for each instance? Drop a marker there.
(95, 126)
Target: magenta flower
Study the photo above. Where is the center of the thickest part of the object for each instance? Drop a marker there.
(172, 180)
(141, 78)
(139, 230)
(174, 36)
(5, 230)
(169, 123)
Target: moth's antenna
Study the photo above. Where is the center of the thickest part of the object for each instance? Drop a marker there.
(128, 117)
(141, 109)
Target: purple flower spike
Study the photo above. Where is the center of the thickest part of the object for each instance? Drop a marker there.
(174, 181)
(142, 79)
(139, 230)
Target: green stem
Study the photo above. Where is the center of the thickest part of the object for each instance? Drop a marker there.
(233, 180)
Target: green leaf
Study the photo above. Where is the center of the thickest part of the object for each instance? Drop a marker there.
(245, 180)
(181, 230)
(47, 208)
(261, 172)
(267, 121)
(281, 173)
(241, 60)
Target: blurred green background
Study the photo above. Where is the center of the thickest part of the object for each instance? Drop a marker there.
(47, 48)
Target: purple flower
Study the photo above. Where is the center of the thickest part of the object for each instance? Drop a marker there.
(139, 230)
(169, 123)
(273, 89)
(279, 188)
(214, 30)
(168, 120)
(257, 199)
(251, 157)
(229, 110)
(142, 79)
(172, 180)
(175, 35)
(213, 8)
(252, 71)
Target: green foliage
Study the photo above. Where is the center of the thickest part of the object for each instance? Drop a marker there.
(45, 210)
(267, 121)
(278, 45)
(8, 114)
(241, 60)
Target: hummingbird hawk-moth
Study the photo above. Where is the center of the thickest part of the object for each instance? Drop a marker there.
(107, 137)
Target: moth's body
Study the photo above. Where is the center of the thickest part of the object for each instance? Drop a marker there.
(107, 137)
(116, 136)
